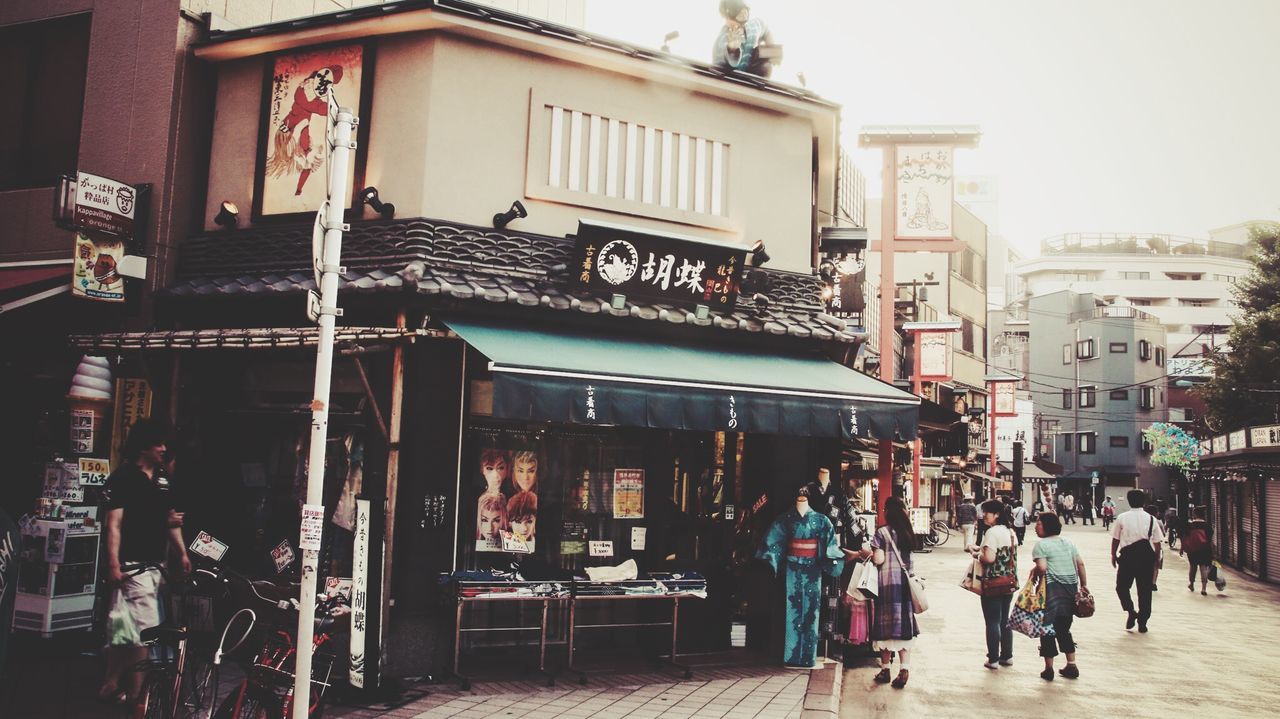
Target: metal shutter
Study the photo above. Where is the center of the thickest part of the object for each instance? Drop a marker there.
(1215, 519)
(1250, 525)
(1271, 530)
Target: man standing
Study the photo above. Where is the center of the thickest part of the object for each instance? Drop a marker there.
(1135, 543)
(1069, 508)
(966, 517)
(1019, 521)
(141, 527)
(1086, 508)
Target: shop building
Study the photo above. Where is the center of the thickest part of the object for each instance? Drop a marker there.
(1237, 480)
(495, 366)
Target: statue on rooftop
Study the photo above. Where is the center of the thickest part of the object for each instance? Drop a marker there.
(744, 43)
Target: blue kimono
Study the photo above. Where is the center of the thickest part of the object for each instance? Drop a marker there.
(806, 548)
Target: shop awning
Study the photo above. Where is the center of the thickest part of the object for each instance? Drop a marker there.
(982, 477)
(564, 376)
(1030, 472)
(22, 285)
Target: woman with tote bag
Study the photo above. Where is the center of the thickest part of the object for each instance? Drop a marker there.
(999, 558)
(893, 627)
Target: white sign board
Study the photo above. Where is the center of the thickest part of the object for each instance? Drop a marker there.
(94, 472)
(1018, 428)
(312, 527)
(637, 538)
(1268, 436)
(359, 596)
(935, 355)
(207, 545)
(600, 548)
(924, 175)
(104, 205)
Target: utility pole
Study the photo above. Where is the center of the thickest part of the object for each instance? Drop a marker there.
(324, 310)
(1017, 470)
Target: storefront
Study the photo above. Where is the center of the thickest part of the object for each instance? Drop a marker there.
(1240, 474)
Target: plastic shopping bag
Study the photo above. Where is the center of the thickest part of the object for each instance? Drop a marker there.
(121, 629)
(1033, 595)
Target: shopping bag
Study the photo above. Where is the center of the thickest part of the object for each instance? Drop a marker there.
(1219, 581)
(859, 622)
(121, 629)
(1030, 623)
(851, 592)
(868, 583)
(972, 580)
(1033, 596)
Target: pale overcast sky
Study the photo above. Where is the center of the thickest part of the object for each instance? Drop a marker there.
(1097, 115)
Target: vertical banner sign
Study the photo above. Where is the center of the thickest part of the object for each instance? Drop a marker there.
(1005, 399)
(359, 596)
(96, 269)
(924, 175)
(935, 356)
(133, 402)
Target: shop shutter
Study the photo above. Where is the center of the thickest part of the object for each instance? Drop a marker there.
(1215, 519)
(1249, 526)
(1227, 494)
(1271, 530)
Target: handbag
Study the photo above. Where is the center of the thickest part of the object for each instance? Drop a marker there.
(866, 581)
(1033, 597)
(1084, 604)
(972, 580)
(919, 602)
(859, 622)
(1001, 585)
(1027, 615)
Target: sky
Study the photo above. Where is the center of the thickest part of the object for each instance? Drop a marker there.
(1129, 116)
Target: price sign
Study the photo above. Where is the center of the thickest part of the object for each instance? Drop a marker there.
(312, 527)
(93, 472)
(600, 548)
(207, 545)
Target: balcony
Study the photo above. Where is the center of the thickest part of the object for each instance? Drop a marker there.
(1109, 311)
(1093, 243)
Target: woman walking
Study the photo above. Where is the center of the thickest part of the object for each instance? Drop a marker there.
(1198, 550)
(1059, 565)
(894, 627)
(999, 554)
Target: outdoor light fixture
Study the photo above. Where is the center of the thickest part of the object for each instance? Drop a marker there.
(618, 302)
(758, 254)
(517, 211)
(827, 271)
(827, 292)
(369, 196)
(701, 312)
(227, 215)
(756, 280)
(666, 40)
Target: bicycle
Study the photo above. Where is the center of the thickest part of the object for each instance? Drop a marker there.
(938, 533)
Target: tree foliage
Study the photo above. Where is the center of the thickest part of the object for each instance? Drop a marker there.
(1245, 388)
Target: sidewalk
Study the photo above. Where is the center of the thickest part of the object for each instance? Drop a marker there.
(1210, 655)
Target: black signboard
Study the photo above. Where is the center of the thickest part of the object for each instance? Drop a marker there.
(847, 299)
(659, 267)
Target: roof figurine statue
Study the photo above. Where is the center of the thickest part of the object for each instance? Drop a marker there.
(744, 43)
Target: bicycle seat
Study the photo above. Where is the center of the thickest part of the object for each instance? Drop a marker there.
(167, 634)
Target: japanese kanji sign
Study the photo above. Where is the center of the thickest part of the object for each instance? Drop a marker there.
(661, 267)
(104, 205)
(924, 175)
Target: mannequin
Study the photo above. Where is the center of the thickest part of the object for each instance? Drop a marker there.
(801, 545)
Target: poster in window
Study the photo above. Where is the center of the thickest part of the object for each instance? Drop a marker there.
(293, 152)
(96, 269)
(628, 494)
(508, 504)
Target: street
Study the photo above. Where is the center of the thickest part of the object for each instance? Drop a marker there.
(1203, 655)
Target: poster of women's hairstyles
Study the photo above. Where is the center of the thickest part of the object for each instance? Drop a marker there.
(293, 153)
(491, 507)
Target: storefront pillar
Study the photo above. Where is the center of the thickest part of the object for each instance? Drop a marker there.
(393, 482)
(886, 477)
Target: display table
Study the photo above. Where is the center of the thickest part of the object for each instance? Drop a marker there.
(674, 598)
(469, 592)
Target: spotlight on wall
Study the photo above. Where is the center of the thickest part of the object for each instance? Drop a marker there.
(827, 271)
(758, 254)
(369, 196)
(227, 215)
(517, 211)
(666, 40)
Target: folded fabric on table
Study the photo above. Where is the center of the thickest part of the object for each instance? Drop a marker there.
(621, 573)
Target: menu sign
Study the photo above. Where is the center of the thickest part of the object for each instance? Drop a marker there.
(668, 268)
(104, 205)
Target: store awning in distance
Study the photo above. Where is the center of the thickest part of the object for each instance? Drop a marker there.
(558, 375)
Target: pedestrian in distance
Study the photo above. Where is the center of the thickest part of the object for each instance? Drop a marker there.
(894, 627)
(1172, 524)
(1197, 547)
(1108, 512)
(1135, 543)
(1068, 508)
(966, 516)
(1059, 565)
(1086, 509)
(1020, 517)
(999, 555)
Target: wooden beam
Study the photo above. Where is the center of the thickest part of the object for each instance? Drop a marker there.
(393, 485)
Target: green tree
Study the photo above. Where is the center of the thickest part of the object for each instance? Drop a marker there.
(1245, 389)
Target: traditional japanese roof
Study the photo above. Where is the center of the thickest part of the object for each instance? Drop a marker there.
(436, 259)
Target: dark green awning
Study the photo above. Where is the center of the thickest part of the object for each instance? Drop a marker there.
(562, 376)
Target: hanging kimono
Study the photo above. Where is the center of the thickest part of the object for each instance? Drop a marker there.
(804, 548)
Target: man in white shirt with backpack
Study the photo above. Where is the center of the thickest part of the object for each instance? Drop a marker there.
(1135, 543)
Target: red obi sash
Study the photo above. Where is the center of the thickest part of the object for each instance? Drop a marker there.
(807, 548)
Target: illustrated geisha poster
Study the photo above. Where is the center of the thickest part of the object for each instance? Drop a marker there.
(294, 159)
(924, 179)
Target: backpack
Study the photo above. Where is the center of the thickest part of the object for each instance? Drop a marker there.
(1196, 540)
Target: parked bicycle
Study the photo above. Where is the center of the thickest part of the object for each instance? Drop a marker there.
(938, 533)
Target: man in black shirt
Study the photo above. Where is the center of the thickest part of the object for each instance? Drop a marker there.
(141, 526)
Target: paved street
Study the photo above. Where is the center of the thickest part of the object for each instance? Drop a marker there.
(1204, 656)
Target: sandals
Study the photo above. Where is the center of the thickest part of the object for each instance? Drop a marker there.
(901, 681)
(883, 676)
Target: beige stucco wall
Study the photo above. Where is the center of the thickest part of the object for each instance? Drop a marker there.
(448, 134)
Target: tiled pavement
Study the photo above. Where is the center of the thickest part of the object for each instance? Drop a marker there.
(741, 693)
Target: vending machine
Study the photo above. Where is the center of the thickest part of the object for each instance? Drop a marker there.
(58, 573)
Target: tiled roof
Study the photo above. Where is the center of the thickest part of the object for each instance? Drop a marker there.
(464, 262)
(517, 21)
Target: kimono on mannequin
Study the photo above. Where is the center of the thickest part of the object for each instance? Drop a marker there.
(803, 544)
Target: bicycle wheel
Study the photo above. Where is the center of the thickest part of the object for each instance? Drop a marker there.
(199, 691)
(248, 702)
(942, 531)
(154, 699)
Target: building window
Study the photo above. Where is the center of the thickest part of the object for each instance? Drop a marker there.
(1075, 277)
(1194, 303)
(1066, 398)
(1144, 350)
(1120, 394)
(1066, 443)
(1086, 349)
(1147, 398)
(1135, 275)
(1225, 278)
(971, 267)
(1066, 354)
(1088, 443)
(1088, 396)
(1144, 444)
(1159, 356)
(1118, 348)
(41, 128)
(966, 335)
(1139, 302)
(1119, 441)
